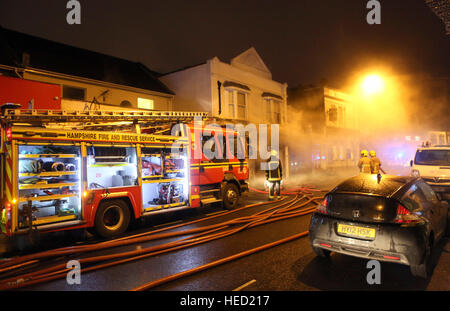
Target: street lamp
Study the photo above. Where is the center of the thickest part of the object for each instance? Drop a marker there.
(372, 84)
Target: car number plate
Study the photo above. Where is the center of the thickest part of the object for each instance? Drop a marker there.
(356, 231)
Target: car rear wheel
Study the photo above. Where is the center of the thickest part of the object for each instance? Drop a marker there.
(112, 218)
(423, 270)
(323, 253)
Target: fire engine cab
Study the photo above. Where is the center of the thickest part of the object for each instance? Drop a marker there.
(63, 170)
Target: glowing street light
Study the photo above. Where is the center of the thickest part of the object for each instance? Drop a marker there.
(372, 84)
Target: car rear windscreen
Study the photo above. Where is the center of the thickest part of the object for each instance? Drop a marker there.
(433, 157)
(365, 208)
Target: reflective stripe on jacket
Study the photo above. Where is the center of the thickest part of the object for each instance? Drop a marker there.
(274, 171)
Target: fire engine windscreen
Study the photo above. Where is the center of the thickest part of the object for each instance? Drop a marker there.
(110, 167)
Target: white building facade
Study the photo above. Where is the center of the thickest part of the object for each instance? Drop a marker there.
(241, 91)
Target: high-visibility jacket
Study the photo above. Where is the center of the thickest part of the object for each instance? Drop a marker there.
(375, 165)
(274, 171)
(364, 165)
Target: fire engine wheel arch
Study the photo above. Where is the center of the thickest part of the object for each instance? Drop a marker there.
(112, 218)
(230, 195)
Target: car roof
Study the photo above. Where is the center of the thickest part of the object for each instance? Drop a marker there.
(388, 185)
(439, 147)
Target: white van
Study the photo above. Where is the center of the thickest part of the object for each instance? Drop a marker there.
(433, 165)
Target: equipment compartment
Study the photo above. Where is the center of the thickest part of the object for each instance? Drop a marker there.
(110, 167)
(49, 184)
(164, 178)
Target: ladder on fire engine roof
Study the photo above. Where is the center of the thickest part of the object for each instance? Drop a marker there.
(47, 116)
(106, 120)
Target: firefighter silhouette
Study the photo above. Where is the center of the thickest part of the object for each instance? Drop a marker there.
(364, 163)
(274, 174)
(375, 163)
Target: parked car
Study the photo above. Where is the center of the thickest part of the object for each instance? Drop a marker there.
(387, 218)
(433, 165)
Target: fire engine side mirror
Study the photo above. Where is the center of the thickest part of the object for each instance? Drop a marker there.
(411, 163)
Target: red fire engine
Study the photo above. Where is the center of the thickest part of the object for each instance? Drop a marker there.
(65, 170)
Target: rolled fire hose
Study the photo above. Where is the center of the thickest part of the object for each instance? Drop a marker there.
(70, 167)
(54, 166)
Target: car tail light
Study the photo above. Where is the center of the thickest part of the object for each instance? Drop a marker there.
(322, 208)
(326, 245)
(391, 257)
(404, 216)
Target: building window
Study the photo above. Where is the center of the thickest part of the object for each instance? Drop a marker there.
(273, 110)
(241, 106)
(144, 103)
(74, 93)
(333, 114)
(237, 104)
(268, 108)
(276, 115)
(231, 110)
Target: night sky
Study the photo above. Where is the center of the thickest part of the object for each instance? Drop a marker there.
(301, 41)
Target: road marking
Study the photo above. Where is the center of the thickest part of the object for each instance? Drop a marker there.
(244, 285)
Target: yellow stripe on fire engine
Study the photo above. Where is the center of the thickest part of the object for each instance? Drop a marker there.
(50, 219)
(24, 133)
(164, 206)
(22, 156)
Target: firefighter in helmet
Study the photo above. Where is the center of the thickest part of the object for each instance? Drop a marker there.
(274, 175)
(375, 163)
(364, 163)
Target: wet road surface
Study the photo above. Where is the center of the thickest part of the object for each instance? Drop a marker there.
(290, 266)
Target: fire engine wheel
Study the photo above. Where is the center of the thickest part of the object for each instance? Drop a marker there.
(230, 196)
(112, 218)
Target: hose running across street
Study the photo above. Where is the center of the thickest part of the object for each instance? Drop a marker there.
(26, 270)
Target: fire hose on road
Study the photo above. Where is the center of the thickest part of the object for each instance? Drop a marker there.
(15, 277)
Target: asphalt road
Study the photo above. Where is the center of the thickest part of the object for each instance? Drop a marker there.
(288, 267)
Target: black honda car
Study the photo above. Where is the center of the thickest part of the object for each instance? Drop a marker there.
(387, 218)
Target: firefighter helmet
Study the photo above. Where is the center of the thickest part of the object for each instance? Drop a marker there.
(372, 153)
(364, 153)
(274, 153)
